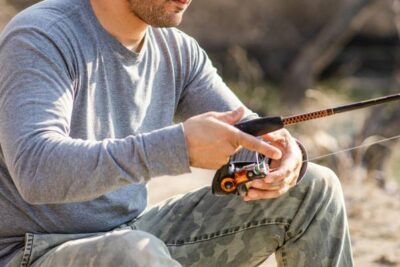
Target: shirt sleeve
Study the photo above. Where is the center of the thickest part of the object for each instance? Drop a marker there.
(44, 162)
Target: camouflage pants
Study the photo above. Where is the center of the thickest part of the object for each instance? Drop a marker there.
(305, 227)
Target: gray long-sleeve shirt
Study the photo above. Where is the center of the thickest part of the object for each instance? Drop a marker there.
(85, 123)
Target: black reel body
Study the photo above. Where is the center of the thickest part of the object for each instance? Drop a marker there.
(234, 177)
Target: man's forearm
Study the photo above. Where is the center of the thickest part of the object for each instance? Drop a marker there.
(55, 169)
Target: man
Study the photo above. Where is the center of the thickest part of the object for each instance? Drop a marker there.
(89, 91)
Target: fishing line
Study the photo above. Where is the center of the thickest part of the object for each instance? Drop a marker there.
(353, 148)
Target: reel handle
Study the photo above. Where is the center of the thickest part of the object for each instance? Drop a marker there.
(233, 178)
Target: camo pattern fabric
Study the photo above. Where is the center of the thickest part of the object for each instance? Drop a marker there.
(305, 227)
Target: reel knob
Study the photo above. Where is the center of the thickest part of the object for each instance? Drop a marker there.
(228, 185)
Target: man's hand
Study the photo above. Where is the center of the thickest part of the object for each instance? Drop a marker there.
(284, 172)
(211, 139)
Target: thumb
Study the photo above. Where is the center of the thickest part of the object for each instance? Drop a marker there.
(231, 117)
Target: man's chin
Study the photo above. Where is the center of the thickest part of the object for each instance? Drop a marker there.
(172, 22)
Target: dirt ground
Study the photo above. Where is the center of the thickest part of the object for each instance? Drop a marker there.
(374, 216)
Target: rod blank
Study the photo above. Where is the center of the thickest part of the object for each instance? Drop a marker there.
(265, 125)
(345, 108)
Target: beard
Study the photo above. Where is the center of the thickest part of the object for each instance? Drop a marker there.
(156, 13)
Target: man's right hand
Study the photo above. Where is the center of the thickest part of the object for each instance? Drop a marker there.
(211, 139)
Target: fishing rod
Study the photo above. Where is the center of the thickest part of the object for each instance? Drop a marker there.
(234, 177)
(266, 125)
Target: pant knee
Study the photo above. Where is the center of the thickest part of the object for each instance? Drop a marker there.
(117, 248)
(321, 177)
(131, 241)
(322, 208)
(134, 248)
(323, 184)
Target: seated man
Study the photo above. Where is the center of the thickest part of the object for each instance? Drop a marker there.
(88, 94)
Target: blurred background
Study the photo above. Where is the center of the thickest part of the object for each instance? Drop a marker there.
(287, 57)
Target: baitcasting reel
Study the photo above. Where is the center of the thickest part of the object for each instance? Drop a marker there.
(234, 177)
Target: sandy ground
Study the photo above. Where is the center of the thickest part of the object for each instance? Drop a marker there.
(374, 216)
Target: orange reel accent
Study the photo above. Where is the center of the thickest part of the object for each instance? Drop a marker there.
(228, 185)
(241, 177)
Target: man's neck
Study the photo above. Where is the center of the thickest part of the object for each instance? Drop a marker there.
(117, 18)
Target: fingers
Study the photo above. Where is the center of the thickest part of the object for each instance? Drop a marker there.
(285, 171)
(245, 140)
(230, 117)
(272, 186)
(288, 168)
(257, 194)
(281, 139)
(261, 190)
(279, 136)
(254, 144)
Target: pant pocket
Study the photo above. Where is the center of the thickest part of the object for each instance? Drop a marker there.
(36, 245)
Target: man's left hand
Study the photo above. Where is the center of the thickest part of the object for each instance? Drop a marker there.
(283, 173)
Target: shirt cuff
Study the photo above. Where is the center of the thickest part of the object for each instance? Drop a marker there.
(304, 161)
(166, 151)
